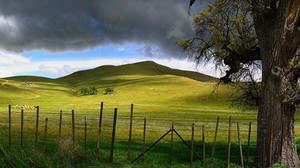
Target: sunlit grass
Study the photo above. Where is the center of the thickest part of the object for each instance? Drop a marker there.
(161, 99)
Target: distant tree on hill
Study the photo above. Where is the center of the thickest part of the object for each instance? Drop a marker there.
(88, 91)
(109, 91)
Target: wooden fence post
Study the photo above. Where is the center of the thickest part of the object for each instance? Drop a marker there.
(99, 131)
(36, 128)
(59, 129)
(85, 132)
(215, 139)
(73, 128)
(111, 156)
(9, 126)
(130, 134)
(22, 127)
(248, 145)
(229, 143)
(45, 134)
(240, 144)
(144, 139)
(172, 137)
(192, 144)
(203, 142)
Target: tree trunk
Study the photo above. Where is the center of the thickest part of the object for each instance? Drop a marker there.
(275, 130)
(275, 136)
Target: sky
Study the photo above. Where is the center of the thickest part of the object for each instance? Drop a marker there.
(53, 38)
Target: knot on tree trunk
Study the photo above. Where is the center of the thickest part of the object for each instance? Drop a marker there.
(277, 72)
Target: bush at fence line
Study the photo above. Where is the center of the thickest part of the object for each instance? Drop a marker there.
(70, 154)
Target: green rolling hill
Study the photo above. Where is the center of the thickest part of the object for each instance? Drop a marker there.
(156, 90)
(147, 68)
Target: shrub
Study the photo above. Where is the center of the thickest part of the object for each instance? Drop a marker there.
(109, 91)
(88, 91)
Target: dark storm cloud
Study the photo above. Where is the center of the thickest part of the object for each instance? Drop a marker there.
(58, 25)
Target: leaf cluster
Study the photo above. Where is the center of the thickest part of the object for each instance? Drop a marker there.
(224, 33)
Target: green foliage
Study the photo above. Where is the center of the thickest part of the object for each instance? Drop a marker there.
(184, 44)
(109, 91)
(224, 33)
(278, 165)
(70, 154)
(88, 91)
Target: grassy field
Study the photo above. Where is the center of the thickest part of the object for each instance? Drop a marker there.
(160, 94)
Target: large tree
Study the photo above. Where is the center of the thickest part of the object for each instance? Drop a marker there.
(239, 33)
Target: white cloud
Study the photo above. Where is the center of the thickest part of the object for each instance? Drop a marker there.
(7, 58)
(55, 70)
(186, 64)
(4, 72)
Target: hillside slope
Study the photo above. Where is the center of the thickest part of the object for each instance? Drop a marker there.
(147, 68)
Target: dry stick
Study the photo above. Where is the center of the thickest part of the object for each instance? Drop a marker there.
(240, 144)
(73, 128)
(229, 143)
(85, 132)
(171, 150)
(248, 145)
(22, 126)
(45, 134)
(215, 139)
(36, 127)
(130, 134)
(59, 128)
(99, 130)
(111, 156)
(192, 144)
(9, 126)
(154, 145)
(144, 139)
(203, 142)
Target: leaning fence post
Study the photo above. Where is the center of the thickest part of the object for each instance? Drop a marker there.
(111, 156)
(215, 139)
(248, 145)
(240, 144)
(130, 134)
(36, 127)
(99, 130)
(73, 128)
(192, 144)
(22, 127)
(9, 126)
(45, 134)
(229, 143)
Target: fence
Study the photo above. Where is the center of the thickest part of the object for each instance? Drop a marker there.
(60, 126)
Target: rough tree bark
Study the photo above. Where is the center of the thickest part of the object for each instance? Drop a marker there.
(277, 28)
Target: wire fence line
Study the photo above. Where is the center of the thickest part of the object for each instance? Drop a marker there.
(37, 127)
